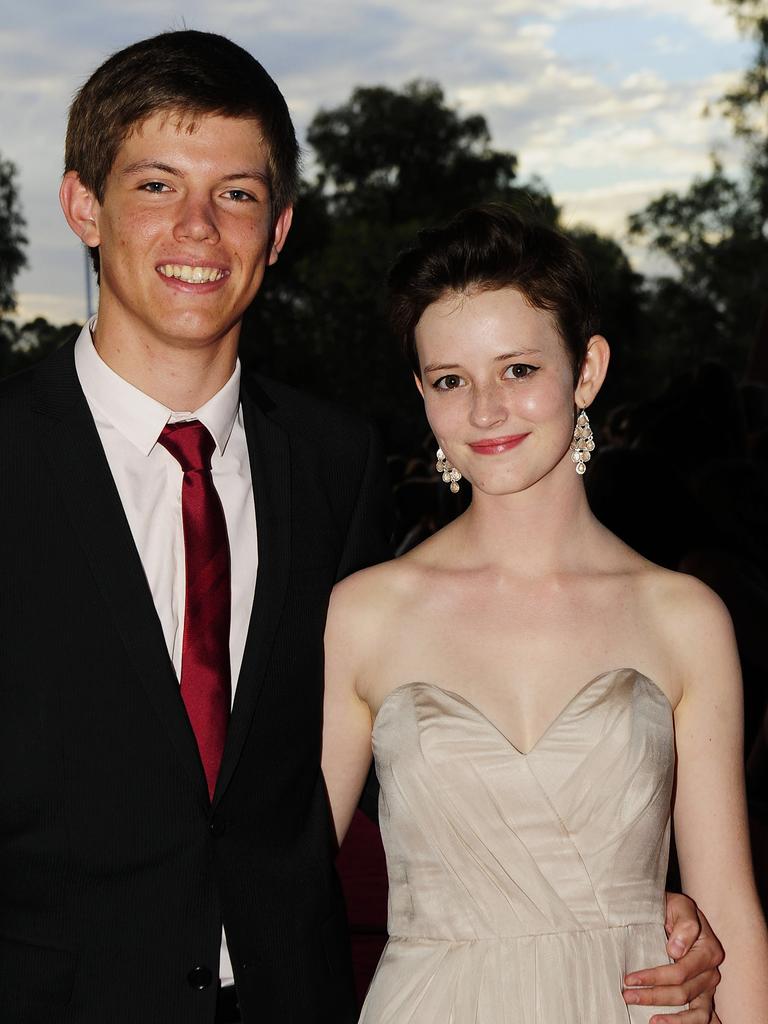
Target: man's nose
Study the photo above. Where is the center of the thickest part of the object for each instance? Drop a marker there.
(197, 221)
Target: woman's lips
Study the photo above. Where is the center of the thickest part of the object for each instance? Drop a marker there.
(497, 445)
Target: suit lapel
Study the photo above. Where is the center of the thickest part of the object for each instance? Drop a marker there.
(269, 453)
(78, 464)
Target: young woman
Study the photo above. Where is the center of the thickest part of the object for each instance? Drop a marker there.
(538, 695)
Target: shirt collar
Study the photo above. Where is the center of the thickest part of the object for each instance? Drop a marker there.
(139, 418)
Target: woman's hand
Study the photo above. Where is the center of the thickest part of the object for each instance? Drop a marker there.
(694, 975)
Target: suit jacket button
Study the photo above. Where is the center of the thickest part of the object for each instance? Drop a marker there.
(199, 977)
(217, 826)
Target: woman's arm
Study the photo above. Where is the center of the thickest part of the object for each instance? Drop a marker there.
(711, 830)
(346, 718)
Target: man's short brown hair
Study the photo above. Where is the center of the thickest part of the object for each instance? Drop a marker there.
(187, 73)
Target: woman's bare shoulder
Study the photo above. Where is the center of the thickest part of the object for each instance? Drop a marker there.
(376, 590)
(694, 625)
(680, 597)
(366, 611)
(665, 596)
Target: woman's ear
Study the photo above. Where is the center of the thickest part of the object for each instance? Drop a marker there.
(81, 209)
(593, 370)
(419, 385)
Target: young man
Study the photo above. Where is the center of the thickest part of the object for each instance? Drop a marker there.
(170, 535)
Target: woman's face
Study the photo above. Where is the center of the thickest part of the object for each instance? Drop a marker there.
(498, 387)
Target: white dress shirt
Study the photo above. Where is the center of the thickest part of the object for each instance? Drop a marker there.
(148, 480)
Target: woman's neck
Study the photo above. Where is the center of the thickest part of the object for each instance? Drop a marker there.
(546, 529)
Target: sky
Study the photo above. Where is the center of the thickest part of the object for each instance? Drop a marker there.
(602, 99)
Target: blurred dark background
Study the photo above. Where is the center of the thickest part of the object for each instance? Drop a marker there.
(681, 470)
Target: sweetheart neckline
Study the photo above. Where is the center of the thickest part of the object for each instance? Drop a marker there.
(566, 707)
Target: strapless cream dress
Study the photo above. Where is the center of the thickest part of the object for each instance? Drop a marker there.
(522, 886)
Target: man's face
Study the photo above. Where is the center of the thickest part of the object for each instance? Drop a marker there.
(185, 230)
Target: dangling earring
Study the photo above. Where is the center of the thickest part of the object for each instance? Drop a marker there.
(583, 443)
(451, 475)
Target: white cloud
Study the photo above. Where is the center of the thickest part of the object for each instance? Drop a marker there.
(668, 45)
(642, 125)
(539, 32)
(705, 15)
(608, 208)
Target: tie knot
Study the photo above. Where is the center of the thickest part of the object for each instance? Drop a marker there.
(190, 443)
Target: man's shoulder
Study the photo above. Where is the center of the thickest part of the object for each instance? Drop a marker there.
(16, 394)
(55, 365)
(305, 414)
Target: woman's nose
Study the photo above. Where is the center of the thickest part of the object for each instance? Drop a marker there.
(488, 407)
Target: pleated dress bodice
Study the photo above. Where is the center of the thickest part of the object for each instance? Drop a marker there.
(522, 885)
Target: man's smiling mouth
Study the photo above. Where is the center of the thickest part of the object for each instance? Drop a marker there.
(191, 275)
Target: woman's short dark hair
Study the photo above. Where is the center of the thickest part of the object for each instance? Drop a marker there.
(187, 73)
(489, 247)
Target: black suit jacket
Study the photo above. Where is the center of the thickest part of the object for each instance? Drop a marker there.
(115, 869)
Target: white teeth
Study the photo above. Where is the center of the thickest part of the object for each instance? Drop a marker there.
(191, 275)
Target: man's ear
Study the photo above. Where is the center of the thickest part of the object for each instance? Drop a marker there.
(81, 209)
(593, 370)
(280, 233)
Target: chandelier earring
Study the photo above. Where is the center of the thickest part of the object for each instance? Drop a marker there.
(450, 474)
(583, 443)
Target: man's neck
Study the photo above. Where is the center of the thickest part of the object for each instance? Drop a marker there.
(181, 377)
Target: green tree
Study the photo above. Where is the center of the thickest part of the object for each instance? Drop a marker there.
(12, 259)
(747, 103)
(12, 237)
(715, 234)
(623, 319)
(401, 156)
(20, 346)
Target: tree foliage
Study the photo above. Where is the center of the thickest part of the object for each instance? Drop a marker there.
(21, 345)
(403, 155)
(12, 236)
(623, 317)
(747, 103)
(715, 234)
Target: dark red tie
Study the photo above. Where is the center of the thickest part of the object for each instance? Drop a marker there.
(205, 673)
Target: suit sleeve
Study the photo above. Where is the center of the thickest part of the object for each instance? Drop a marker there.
(369, 534)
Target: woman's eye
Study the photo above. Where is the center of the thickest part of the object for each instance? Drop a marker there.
(449, 382)
(518, 371)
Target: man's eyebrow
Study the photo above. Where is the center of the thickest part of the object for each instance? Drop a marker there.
(253, 173)
(156, 165)
(151, 165)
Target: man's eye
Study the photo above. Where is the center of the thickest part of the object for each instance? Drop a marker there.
(449, 382)
(154, 186)
(518, 371)
(239, 196)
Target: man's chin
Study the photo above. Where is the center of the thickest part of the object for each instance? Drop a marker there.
(196, 333)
